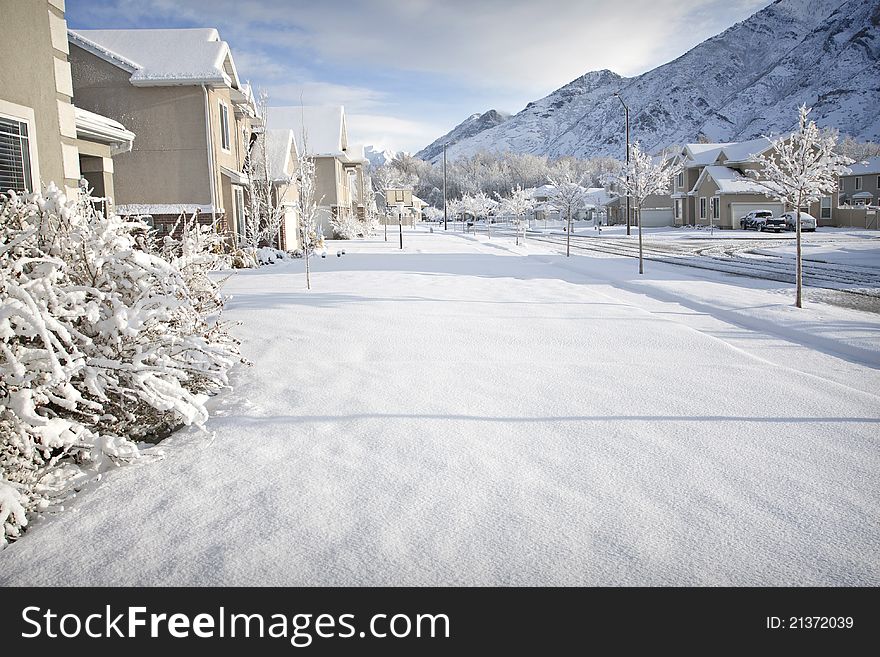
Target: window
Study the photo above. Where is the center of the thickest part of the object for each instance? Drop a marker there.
(678, 208)
(15, 156)
(716, 207)
(858, 183)
(398, 196)
(702, 207)
(825, 208)
(240, 219)
(224, 126)
(680, 179)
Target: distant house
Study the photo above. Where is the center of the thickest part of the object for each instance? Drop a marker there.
(179, 90)
(862, 185)
(322, 134)
(43, 137)
(281, 170)
(360, 186)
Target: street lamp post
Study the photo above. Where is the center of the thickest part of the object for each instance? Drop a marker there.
(444, 188)
(626, 114)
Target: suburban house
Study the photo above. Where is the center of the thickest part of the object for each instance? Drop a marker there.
(178, 89)
(862, 185)
(43, 137)
(323, 136)
(360, 186)
(715, 186)
(656, 209)
(281, 170)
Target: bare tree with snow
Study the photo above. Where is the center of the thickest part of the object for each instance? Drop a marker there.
(264, 212)
(798, 170)
(642, 177)
(307, 209)
(569, 195)
(482, 205)
(518, 205)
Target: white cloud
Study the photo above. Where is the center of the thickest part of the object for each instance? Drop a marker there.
(391, 132)
(490, 53)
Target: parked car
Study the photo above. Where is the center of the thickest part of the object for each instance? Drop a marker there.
(808, 221)
(776, 224)
(751, 220)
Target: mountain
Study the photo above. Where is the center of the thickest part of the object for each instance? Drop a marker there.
(470, 127)
(743, 83)
(377, 157)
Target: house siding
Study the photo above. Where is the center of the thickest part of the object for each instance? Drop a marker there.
(168, 162)
(36, 76)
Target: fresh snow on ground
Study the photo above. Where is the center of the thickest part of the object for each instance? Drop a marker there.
(470, 412)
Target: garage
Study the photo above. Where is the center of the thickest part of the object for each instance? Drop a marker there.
(738, 210)
(653, 217)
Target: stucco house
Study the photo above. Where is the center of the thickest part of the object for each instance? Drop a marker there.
(43, 137)
(179, 90)
(861, 186)
(323, 135)
(715, 186)
(281, 170)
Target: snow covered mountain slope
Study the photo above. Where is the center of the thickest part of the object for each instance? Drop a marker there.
(471, 126)
(743, 83)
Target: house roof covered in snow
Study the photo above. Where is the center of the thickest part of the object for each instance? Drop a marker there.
(281, 148)
(871, 165)
(701, 154)
(163, 57)
(320, 130)
(729, 181)
(355, 154)
(745, 151)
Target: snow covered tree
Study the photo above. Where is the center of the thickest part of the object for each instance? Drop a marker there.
(106, 338)
(481, 206)
(798, 170)
(518, 205)
(569, 195)
(642, 177)
(310, 237)
(857, 150)
(264, 213)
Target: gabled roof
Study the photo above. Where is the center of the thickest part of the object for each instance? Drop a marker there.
(319, 130)
(729, 181)
(872, 165)
(696, 155)
(701, 154)
(163, 57)
(281, 148)
(744, 151)
(355, 154)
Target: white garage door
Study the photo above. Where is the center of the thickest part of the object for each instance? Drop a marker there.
(657, 217)
(738, 210)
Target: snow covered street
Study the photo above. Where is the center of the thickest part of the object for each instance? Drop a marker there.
(474, 413)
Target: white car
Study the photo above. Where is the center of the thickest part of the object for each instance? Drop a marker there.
(808, 221)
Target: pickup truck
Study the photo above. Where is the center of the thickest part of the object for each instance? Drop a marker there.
(762, 220)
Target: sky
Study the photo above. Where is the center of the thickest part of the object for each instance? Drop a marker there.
(407, 71)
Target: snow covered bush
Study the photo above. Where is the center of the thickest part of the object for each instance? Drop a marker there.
(347, 227)
(107, 337)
